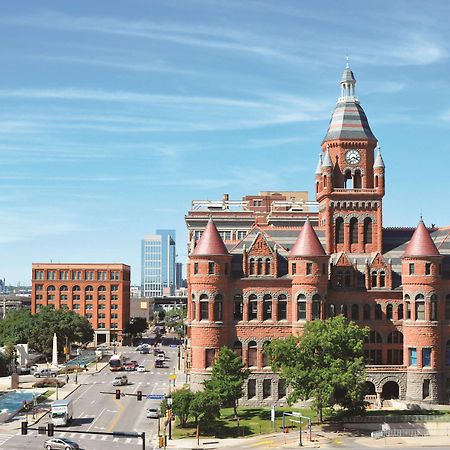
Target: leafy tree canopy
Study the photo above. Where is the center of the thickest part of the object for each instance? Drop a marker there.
(181, 400)
(227, 377)
(14, 328)
(204, 407)
(137, 325)
(327, 358)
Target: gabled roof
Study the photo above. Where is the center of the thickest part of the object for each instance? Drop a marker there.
(210, 243)
(421, 243)
(307, 243)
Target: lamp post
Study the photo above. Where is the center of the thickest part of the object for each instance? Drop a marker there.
(169, 404)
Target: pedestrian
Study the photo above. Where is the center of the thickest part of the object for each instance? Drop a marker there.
(67, 378)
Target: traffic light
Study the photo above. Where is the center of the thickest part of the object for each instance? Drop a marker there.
(139, 396)
(117, 394)
(24, 427)
(50, 429)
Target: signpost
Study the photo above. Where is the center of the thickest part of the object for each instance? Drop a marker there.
(155, 396)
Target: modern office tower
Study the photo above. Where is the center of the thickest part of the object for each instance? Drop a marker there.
(179, 275)
(99, 292)
(158, 264)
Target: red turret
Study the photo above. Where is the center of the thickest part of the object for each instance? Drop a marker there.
(307, 243)
(421, 243)
(210, 243)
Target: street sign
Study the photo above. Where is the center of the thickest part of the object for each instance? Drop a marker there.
(155, 396)
(172, 377)
(173, 345)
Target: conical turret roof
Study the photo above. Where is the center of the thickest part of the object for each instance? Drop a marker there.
(210, 243)
(421, 243)
(307, 243)
(319, 166)
(379, 163)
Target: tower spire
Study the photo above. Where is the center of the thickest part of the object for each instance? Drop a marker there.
(347, 83)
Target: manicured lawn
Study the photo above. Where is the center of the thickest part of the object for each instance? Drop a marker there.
(252, 421)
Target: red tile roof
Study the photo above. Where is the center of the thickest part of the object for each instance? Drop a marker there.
(210, 243)
(307, 243)
(421, 243)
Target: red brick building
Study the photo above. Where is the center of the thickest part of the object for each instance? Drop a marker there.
(99, 292)
(262, 269)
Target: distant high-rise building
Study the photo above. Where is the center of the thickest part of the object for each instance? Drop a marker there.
(158, 264)
(179, 275)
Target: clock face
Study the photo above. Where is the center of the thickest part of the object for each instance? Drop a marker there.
(353, 156)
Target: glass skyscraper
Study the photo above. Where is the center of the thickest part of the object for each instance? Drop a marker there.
(158, 264)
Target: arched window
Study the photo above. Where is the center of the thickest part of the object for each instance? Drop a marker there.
(204, 307)
(339, 230)
(282, 307)
(267, 307)
(366, 312)
(237, 348)
(317, 187)
(50, 288)
(339, 279)
(378, 312)
(355, 312)
(447, 307)
(316, 307)
(389, 312)
(218, 308)
(374, 279)
(252, 354)
(267, 269)
(265, 355)
(353, 230)
(348, 180)
(357, 180)
(367, 230)
(373, 338)
(76, 288)
(89, 289)
(433, 307)
(259, 266)
(252, 266)
(376, 181)
(252, 307)
(343, 310)
(395, 337)
(382, 279)
(238, 312)
(420, 307)
(400, 311)
(331, 310)
(193, 307)
(101, 288)
(63, 288)
(301, 307)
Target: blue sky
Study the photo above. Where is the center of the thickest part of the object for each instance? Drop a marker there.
(115, 115)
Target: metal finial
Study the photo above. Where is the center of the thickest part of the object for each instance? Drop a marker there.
(347, 65)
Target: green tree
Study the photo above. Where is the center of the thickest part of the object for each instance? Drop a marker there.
(66, 324)
(227, 377)
(15, 327)
(181, 401)
(137, 326)
(204, 407)
(4, 365)
(327, 358)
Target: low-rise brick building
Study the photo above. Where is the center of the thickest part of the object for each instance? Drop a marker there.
(99, 292)
(289, 264)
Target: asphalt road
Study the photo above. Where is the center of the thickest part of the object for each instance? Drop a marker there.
(95, 411)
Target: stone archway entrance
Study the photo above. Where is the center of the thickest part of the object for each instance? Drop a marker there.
(390, 391)
(369, 388)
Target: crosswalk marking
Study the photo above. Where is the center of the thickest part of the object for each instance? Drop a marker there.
(5, 437)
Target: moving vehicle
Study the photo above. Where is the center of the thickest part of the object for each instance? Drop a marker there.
(116, 363)
(159, 363)
(129, 366)
(140, 368)
(153, 413)
(45, 373)
(120, 380)
(62, 412)
(55, 443)
(161, 356)
(144, 351)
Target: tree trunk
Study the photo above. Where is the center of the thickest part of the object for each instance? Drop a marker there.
(235, 408)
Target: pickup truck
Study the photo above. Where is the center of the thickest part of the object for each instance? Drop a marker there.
(45, 373)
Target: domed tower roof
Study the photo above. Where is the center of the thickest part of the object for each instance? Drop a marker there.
(349, 121)
(307, 243)
(421, 243)
(210, 242)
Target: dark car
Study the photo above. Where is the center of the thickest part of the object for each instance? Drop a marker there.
(159, 364)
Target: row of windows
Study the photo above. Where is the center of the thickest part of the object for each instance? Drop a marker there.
(259, 266)
(76, 288)
(353, 236)
(75, 297)
(100, 275)
(211, 268)
(226, 235)
(427, 268)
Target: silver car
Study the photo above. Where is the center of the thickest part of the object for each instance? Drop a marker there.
(60, 444)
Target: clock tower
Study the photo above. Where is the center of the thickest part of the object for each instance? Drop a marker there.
(349, 179)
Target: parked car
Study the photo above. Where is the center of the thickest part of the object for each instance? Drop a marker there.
(159, 363)
(45, 373)
(56, 443)
(153, 413)
(120, 380)
(140, 368)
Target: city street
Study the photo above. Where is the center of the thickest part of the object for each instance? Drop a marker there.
(95, 411)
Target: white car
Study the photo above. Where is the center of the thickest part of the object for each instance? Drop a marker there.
(153, 413)
(120, 380)
(140, 369)
(160, 357)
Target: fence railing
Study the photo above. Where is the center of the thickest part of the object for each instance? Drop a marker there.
(399, 419)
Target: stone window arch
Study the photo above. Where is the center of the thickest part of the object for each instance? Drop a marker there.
(267, 266)
(267, 307)
(378, 312)
(252, 266)
(265, 354)
(252, 307)
(218, 308)
(374, 277)
(353, 230)
(389, 312)
(259, 265)
(204, 307)
(50, 288)
(76, 288)
(63, 288)
(101, 289)
(420, 307)
(316, 307)
(355, 312)
(357, 179)
(339, 230)
(238, 307)
(400, 311)
(89, 289)
(367, 233)
(348, 180)
(395, 337)
(434, 307)
(408, 307)
(382, 278)
(282, 307)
